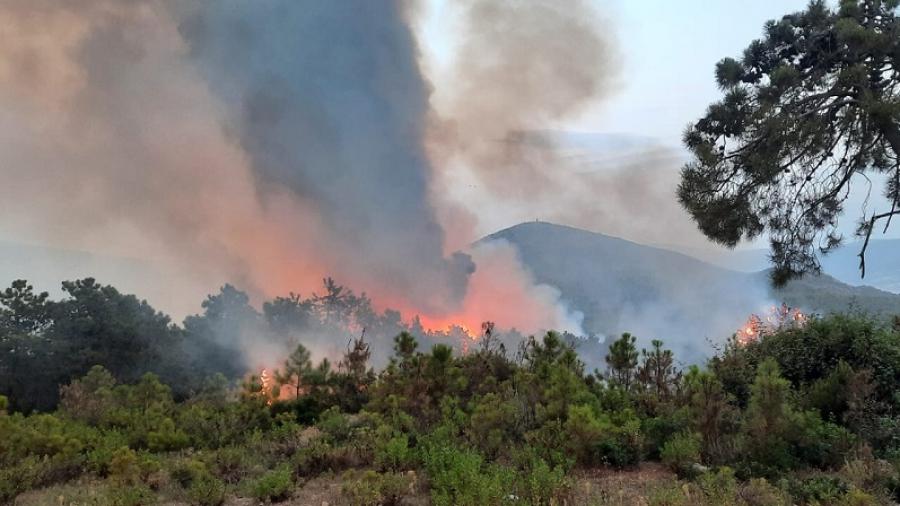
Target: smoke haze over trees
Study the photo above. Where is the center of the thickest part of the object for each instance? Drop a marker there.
(266, 146)
(45, 343)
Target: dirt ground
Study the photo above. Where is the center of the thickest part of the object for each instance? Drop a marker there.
(591, 488)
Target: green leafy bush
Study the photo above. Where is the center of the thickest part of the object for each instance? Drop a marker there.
(231, 463)
(719, 486)
(668, 495)
(185, 471)
(124, 466)
(818, 490)
(206, 490)
(461, 477)
(681, 452)
(393, 453)
(128, 495)
(540, 484)
(334, 424)
(30, 472)
(167, 437)
(377, 489)
(314, 459)
(274, 485)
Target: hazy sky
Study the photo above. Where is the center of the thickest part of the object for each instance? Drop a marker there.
(667, 53)
(133, 129)
(669, 49)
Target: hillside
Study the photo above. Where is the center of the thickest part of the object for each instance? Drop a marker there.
(657, 293)
(882, 261)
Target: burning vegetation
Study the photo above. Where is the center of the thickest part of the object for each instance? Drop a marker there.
(273, 142)
(480, 423)
(778, 318)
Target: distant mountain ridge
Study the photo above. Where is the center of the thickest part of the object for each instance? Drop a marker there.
(621, 285)
(882, 263)
(618, 285)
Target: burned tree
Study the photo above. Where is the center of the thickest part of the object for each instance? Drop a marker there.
(809, 110)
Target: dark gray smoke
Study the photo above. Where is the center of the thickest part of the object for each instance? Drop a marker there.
(327, 100)
(264, 143)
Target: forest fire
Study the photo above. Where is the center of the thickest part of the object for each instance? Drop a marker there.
(265, 381)
(778, 318)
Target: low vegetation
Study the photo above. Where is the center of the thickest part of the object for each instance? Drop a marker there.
(803, 415)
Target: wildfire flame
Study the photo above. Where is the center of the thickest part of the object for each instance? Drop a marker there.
(778, 318)
(266, 382)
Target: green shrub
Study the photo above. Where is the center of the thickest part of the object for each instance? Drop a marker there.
(28, 473)
(818, 489)
(313, 459)
(231, 463)
(540, 484)
(377, 489)
(206, 490)
(393, 454)
(460, 477)
(667, 495)
(599, 439)
(274, 485)
(681, 452)
(856, 497)
(492, 424)
(124, 466)
(102, 451)
(659, 429)
(719, 486)
(334, 424)
(819, 443)
(128, 495)
(167, 437)
(185, 471)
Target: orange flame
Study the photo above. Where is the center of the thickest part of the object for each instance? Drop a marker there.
(778, 318)
(266, 383)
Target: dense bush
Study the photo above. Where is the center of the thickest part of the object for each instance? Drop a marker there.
(762, 423)
(682, 452)
(273, 485)
(206, 490)
(377, 489)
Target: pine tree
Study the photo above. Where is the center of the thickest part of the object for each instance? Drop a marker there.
(622, 361)
(809, 111)
(296, 369)
(657, 372)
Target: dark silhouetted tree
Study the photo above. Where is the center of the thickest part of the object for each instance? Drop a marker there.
(809, 110)
(289, 315)
(296, 370)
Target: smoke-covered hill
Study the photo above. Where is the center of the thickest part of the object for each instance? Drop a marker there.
(657, 293)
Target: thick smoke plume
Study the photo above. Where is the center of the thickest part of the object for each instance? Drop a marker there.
(267, 144)
(271, 143)
(327, 101)
(521, 67)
